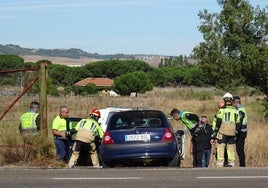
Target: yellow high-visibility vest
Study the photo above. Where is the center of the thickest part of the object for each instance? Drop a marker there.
(28, 120)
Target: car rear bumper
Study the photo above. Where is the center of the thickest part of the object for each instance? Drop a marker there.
(138, 151)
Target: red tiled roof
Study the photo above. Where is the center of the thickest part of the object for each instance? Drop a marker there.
(97, 81)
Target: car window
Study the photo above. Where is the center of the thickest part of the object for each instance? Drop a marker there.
(134, 119)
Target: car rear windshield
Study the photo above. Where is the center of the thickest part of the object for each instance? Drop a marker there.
(140, 119)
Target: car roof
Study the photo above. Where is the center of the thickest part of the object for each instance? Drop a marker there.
(140, 110)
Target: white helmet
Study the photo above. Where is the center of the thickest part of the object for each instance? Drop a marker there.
(227, 96)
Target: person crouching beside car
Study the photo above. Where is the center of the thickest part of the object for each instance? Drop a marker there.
(87, 129)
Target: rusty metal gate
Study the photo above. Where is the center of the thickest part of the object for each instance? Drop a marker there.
(10, 101)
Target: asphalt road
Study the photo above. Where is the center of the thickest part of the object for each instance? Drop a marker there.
(134, 177)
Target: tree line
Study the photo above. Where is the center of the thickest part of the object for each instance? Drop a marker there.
(128, 75)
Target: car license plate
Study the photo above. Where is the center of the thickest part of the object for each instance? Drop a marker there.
(137, 137)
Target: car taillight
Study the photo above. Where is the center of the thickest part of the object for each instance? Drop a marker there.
(107, 139)
(168, 136)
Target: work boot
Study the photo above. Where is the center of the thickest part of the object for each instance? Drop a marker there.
(97, 166)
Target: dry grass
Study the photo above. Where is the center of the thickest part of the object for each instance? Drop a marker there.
(199, 101)
(31, 150)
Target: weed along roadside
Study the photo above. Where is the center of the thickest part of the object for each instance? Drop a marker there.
(41, 152)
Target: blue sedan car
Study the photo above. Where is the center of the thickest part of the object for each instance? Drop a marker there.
(139, 137)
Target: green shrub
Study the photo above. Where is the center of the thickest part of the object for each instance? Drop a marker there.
(8, 81)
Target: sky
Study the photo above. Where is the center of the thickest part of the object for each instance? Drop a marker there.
(159, 27)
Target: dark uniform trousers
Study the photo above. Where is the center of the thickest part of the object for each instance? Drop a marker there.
(240, 145)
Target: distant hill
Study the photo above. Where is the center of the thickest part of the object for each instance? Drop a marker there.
(71, 55)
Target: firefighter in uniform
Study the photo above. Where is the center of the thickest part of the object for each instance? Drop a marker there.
(221, 104)
(189, 119)
(30, 121)
(226, 129)
(87, 130)
(242, 132)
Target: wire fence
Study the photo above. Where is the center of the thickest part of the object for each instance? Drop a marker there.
(11, 85)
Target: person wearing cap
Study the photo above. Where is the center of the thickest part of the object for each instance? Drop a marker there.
(189, 119)
(242, 132)
(87, 130)
(60, 133)
(226, 129)
(30, 121)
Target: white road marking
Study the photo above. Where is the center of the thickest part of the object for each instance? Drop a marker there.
(233, 177)
(103, 178)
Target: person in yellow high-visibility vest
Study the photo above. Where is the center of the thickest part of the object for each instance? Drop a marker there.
(191, 122)
(226, 129)
(221, 104)
(60, 133)
(189, 119)
(30, 121)
(87, 130)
